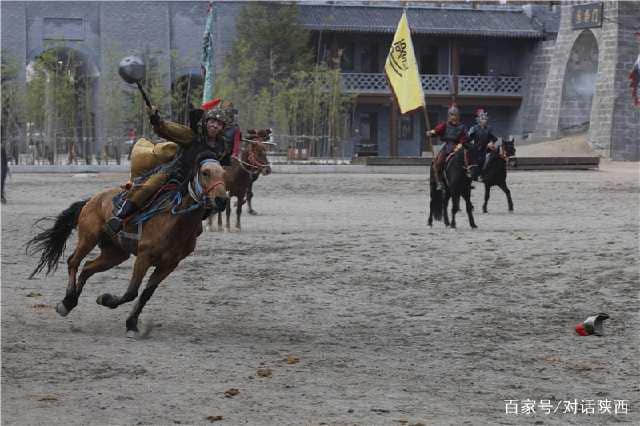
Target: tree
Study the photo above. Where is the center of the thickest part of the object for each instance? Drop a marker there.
(272, 80)
(59, 102)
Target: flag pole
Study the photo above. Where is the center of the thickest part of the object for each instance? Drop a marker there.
(428, 127)
(208, 55)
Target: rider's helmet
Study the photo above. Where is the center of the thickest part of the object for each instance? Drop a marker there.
(453, 114)
(215, 113)
(482, 117)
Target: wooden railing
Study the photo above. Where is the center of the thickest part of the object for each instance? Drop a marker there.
(437, 84)
(489, 85)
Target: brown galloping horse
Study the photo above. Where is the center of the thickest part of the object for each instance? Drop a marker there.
(243, 171)
(164, 241)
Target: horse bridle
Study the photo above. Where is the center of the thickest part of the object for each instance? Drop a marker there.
(252, 163)
(200, 192)
(197, 192)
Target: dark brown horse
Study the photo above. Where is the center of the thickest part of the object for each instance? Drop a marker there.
(495, 174)
(255, 178)
(457, 185)
(243, 172)
(164, 240)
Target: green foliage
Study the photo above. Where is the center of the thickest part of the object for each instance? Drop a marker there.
(154, 84)
(54, 98)
(271, 79)
(186, 92)
(270, 45)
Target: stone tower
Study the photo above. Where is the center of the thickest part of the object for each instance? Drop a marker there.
(587, 84)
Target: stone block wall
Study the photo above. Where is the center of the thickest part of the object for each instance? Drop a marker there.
(535, 69)
(614, 124)
(625, 126)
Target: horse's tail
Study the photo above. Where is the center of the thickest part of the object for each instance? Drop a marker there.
(436, 199)
(53, 241)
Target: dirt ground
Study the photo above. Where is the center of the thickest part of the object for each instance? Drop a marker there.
(570, 146)
(392, 322)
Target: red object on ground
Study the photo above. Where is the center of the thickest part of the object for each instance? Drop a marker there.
(581, 330)
(210, 104)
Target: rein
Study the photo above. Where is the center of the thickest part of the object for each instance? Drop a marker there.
(254, 164)
(196, 192)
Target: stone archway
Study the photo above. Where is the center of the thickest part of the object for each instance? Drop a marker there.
(579, 85)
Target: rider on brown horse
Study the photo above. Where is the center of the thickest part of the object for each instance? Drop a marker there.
(214, 134)
(451, 132)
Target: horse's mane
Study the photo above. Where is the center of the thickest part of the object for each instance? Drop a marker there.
(204, 155)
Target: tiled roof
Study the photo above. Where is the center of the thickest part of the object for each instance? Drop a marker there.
(507, 23)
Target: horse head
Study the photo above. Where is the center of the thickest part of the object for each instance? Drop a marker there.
(208, 184)
(256, 153)
(508, 147)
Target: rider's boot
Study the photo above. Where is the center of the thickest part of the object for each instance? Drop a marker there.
(114, 224)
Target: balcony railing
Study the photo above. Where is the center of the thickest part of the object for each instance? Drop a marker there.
(437, 84)
(489, 85)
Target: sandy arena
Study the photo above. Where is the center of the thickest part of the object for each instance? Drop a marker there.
(392, 322)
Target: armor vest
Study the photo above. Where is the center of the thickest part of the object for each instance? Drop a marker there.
(482, 135)
(453, 132)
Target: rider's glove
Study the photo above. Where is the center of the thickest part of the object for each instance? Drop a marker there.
(154, 116)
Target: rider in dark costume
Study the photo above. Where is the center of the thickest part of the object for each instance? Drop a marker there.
(452, 132)
(5, 170)
(483, 139)
(213, 134)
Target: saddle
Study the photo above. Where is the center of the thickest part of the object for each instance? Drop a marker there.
(467, 156)
(164, 199)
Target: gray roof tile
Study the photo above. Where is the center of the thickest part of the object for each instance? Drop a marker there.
(442, 21)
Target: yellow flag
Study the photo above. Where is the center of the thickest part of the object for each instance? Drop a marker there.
(401, 69)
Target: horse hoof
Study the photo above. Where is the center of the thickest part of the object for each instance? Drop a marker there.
(474, 226)
(253, 212)
(61, 310)
(105, 300)
(133, 334)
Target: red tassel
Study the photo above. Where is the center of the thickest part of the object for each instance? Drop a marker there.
(210, 104)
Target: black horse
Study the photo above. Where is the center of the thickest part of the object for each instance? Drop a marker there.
(457, 184)
(495, 174)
